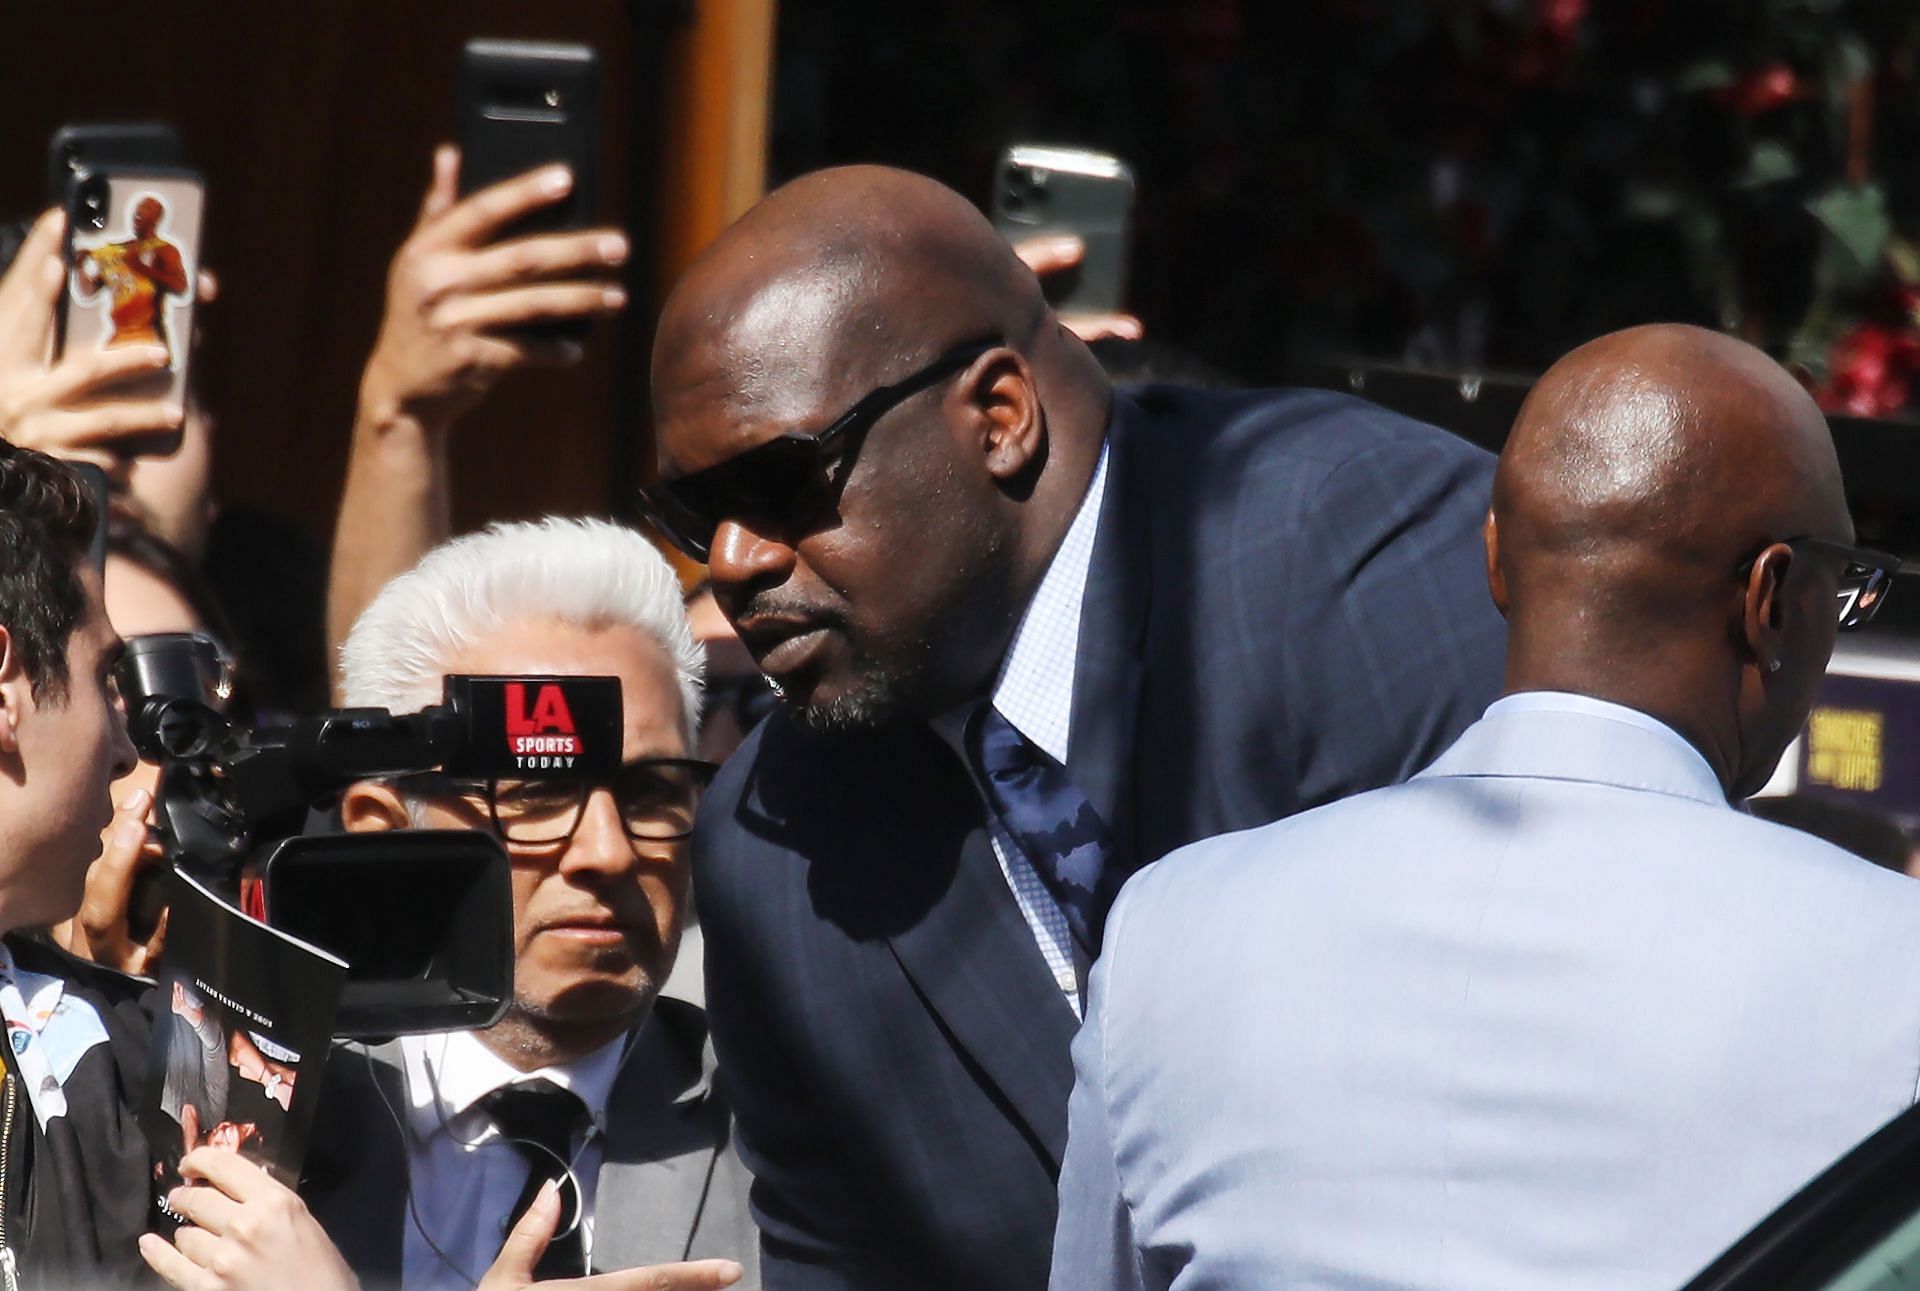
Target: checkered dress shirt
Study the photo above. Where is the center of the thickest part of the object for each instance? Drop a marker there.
(1034, 692)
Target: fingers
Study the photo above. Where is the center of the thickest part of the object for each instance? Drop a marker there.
(103, 908)
(203, 1206)
(443, 189)
(198, 1245)
(513, 1267)
(233, 1175)
(1050, 254)
(107, 423)
(519, 306)
(30, 289)
(84, 372)
(530, 260)
(206, 286)
(700, 1275)
(1093, 327)
(174, 1268)
(478, 218)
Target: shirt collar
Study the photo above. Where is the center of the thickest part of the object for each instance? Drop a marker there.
(449, 1072)
(1034, 689)
(1690, 774)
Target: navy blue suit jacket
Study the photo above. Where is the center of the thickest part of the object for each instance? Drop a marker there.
(1287, 604)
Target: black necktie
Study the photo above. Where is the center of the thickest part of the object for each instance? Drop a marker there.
(540, 1119)
(1045, 813)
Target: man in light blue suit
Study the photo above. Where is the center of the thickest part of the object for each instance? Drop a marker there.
(1553, 1013)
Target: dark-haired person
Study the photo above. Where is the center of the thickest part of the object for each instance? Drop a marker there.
(73, 1191)
(1032, 631)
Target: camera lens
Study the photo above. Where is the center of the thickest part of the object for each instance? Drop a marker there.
(93, 202)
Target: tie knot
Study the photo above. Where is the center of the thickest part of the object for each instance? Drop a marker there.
(998, 748)
(537, 1111)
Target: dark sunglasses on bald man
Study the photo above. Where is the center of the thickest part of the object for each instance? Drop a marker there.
(1865, 578)
(785, 479)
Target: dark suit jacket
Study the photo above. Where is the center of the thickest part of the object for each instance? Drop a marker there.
(1287, 604)
(670, 1188)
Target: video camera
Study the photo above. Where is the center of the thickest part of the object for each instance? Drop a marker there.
(423, 918)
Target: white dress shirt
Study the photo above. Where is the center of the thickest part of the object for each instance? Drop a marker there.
(463, 1177)
(1034, 691)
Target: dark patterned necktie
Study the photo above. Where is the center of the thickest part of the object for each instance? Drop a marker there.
(1054, 825)
(540, 1120)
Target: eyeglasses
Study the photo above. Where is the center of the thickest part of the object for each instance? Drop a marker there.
(787, 478)
(1865, 579)
(656, 798)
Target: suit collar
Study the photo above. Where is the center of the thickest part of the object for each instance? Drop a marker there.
(972, 959)
(662, 1143)
(1587, 740)
(1113, 617)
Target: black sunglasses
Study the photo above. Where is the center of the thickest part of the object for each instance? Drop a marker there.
(1865, 579)
(784, 479)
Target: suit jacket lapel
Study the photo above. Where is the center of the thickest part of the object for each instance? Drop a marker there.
(356, 1177)
(662, 1139)
(973, 961)
(1113, 617)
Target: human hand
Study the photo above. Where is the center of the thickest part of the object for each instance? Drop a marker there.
(513, 1269)
(244, 1230)
(100, 931)
(454, 296)
(1057, 253)
(67, 408)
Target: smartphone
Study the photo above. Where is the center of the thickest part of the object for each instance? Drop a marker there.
(524, 105)
(1040, 190)
(77, 148)
(133, 250)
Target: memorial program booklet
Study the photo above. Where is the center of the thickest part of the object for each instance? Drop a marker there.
(242, 1024)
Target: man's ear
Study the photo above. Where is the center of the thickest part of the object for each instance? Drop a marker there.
(1011, 428)
(1764, 611)
(1496, 579)
(16, 693)
(371, 806)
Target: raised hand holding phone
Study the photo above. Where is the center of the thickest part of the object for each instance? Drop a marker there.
(455, 296)
(75, 407)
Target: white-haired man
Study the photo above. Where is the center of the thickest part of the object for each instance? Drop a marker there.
(430, 1148)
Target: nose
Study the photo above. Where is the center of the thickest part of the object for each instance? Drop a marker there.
(125, 756)
(600, 845)
(741, 555)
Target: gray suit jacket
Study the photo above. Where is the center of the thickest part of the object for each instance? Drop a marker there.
(1552, 1014)
(671, 1187)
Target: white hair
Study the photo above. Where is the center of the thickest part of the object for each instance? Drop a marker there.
(586, 573)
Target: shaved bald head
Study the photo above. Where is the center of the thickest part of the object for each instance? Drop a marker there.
(839, 278)
(1645, 471)
(902, 598)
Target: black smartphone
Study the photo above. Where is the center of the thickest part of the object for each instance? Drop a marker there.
(525, 105)
(77, 148)
(1041, 190)
(133, 255)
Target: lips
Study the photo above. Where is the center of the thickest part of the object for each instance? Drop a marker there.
(782, 646)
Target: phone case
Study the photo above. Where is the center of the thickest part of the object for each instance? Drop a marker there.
(107, 146)
(1040, 191)
(524, 105)
(133, 250)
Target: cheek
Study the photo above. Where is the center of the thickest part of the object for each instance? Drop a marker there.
(526, 880)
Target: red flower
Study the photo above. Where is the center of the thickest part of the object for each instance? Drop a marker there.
(1762, 90)
(1870, 371)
